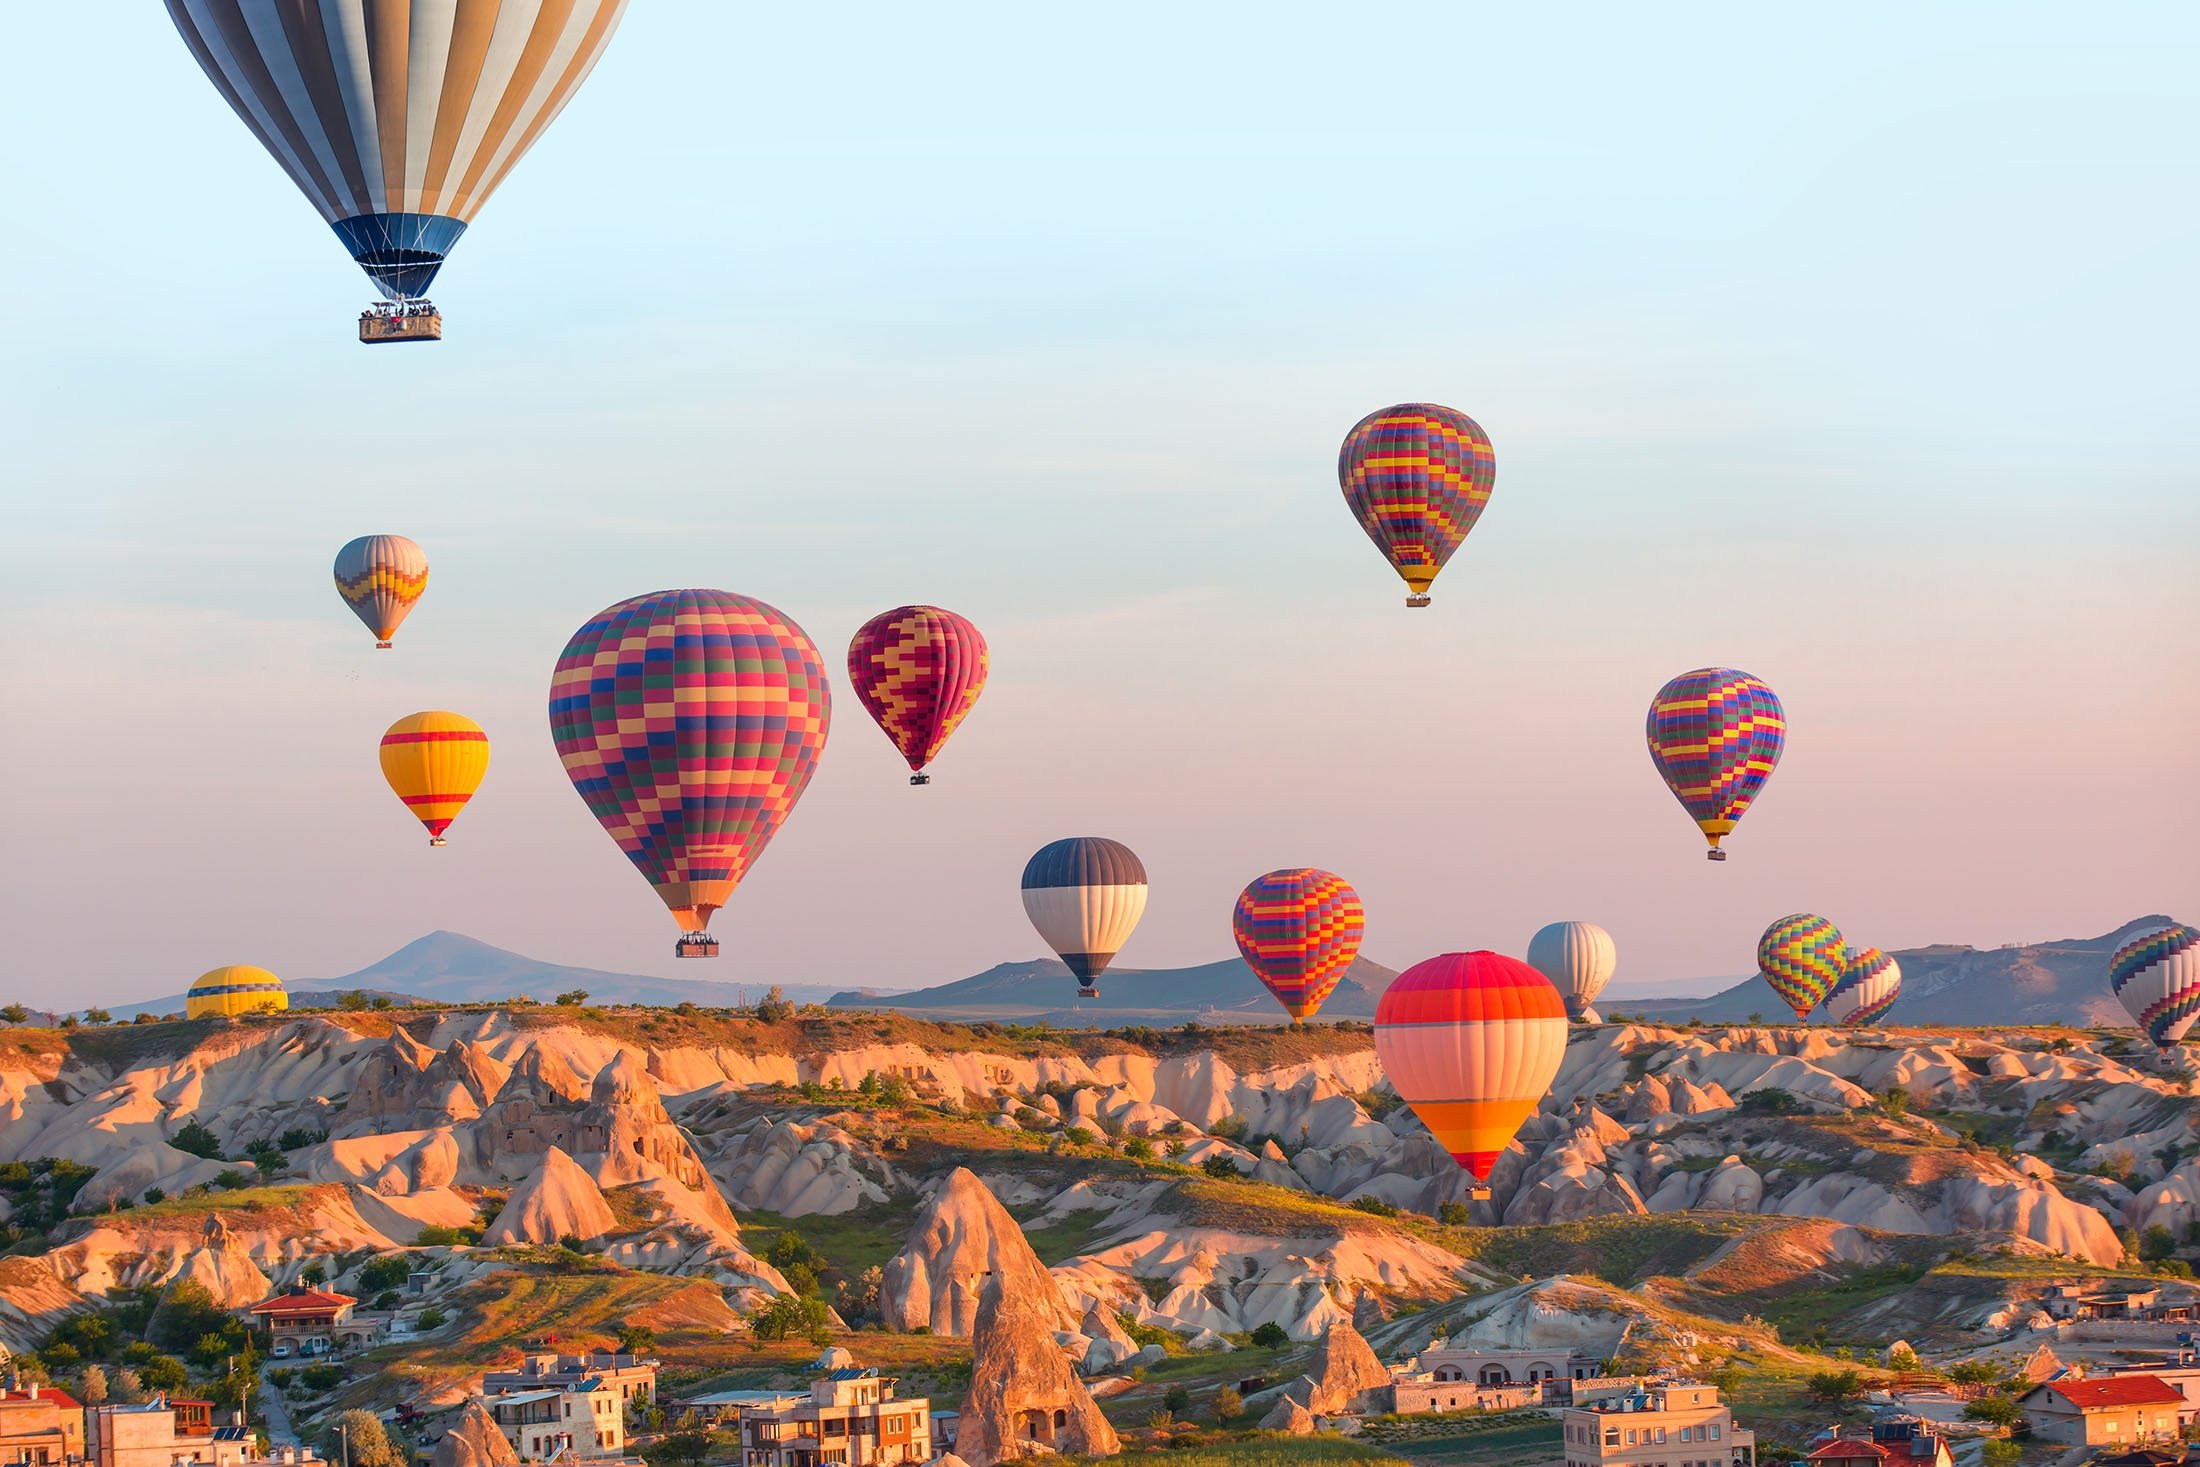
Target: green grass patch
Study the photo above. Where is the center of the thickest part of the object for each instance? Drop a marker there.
(852, 1241)
(291, 1198)
(1073, 1234)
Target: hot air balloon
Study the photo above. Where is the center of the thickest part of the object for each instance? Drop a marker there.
(1417, 476)
(233, 990)
(1801, 957)
(435, 761)
(918, 671)
(1715, 735)
(1579, 959)
(380, 578)
(1471, 1041)
(1299, 930)
(1085, 894)
(397, 118)
(2156, 973)
(1870, 982)
(690, 722)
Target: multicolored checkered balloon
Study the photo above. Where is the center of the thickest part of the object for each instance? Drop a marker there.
(690, 722)
(1802, 957)
(1299, 930)
(918, 670)
(1870, 983)
(1417, 476)
(2156, 974)
(1715, 735)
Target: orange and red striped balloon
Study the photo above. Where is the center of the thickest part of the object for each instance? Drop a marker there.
(1299, 930)
(435, 761)
(1472, 1042)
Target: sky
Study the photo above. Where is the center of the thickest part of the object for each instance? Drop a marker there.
(1857, 351)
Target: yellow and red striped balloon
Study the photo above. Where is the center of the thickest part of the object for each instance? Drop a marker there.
(381, 578)
(435, 761)
(1299, 931)
(1472, 1042)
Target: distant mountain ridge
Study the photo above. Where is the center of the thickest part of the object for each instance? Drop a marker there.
(1042, 989)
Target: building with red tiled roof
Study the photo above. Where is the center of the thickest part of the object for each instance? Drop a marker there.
(40, 1424)
(1850, 1454)
(307, 1321)
(2112, 1411)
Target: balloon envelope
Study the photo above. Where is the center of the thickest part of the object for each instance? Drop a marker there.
(1870, 982)
(434, 761)
(397, 118)
(1417, 477)
(237, 988)
(918, 671)
(381, 578)
(1715, 735)
(1579, 958)
(1801, 956)
(1085, 895)
(690, 723)
(2156, 975)
(1299, 930)
(1472, 1042)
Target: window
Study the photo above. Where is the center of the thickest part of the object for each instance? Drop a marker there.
(1661, 1436)
(1611, 1436)
(1714, 1431)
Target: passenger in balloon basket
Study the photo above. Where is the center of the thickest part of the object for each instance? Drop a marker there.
(696, 945)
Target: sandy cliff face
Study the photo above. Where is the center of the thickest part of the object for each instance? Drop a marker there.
(963, 1238)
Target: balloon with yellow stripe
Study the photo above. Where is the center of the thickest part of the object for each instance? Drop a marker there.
(434, 762)
(1472, 1042)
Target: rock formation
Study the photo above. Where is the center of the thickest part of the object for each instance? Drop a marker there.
(1346, 1375)
(475, 1441)
(1024, 1397)
(963, 1236)
(559, 1201)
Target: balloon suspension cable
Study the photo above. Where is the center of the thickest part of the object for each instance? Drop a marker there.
(1418, 598)
(920, 779)
(1714, 854)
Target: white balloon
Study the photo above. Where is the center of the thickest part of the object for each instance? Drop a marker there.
(1579, 959)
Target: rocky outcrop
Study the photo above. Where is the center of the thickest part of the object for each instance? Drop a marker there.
(799, 1168)
(963, 1237)
(475, 1441)
(557, 1202)
(1288, 1416)
(1024, 1398)
(1346, 1375)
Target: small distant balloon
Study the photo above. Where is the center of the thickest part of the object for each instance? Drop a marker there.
(2156, 975)
(1715, 735)
(1870, 983)
(1299, 931)
(1472, 1042)
(1579, 958)
(1085, 895)
(381, 578)
(434, 761)
(918, 671)
(1802, 956)
(1417, 476)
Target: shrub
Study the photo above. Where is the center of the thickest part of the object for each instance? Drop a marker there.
(1770, 1100)
(1271, 1336)
(1229, 1405)
(433, 1318)
(357, 1437)
(2157, 1243)
(1454, 1215)
(775, 1009)
(322, 1376)
(1138, 1148)
(163, 1373)
(1078, 1136)
(1222, 1167)
(1178, 1398)
(1895, 1101)
(381, 1274)
(1373, 1207)
(1835, 1386)
(572, 998)
(1995, 1410)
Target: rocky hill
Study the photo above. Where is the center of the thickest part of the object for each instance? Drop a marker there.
(1191, 1185)
(1043, 990)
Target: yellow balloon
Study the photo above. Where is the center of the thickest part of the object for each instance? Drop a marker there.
(236, 989)
(435, 761)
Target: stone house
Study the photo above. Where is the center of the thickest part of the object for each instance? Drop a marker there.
(307, 1321)
(850, 1419)
(1445, 1363)
(1672, 1424)
(162, 1433)
(579, 1418)
(2113, 1411)
(633, 1377)
(41, 1426)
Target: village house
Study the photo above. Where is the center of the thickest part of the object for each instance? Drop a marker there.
(851, 1419)
(1414, 1395)
(1899, 1441)
(307, 1321)
(581, 1418)
(162, 1433)
(1662, 1424)
(2180, 1372)
(2113, 1411)
(634, 1378)
(39, 1425)
(1444, 1363)
(729, 1408)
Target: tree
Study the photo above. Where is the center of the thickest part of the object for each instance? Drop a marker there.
(1229, 1405)
(15, 1013)
(314, 1274)
(1895, 1101)
(792, 1314)
(1454, 1215)
(98, 1016)
(128, 1388)
(1271, 1336)
(1222, 1167)
(1835, 1386)
(635, 1338)
(1178, 1398)
(197, 1140)
(572, 998)
(352, 1001)
(1138, 1148)
(684, 1446)
(2157, 1243)
(381, 1274)
(1902, 1357)
(775, 1009)
(91, 1386)
(360, 1433)
(164, 1373)
(1994, 1410)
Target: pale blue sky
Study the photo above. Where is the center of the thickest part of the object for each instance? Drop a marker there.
(1854, 351)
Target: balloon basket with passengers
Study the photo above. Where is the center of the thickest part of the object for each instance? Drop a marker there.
(392, 321)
